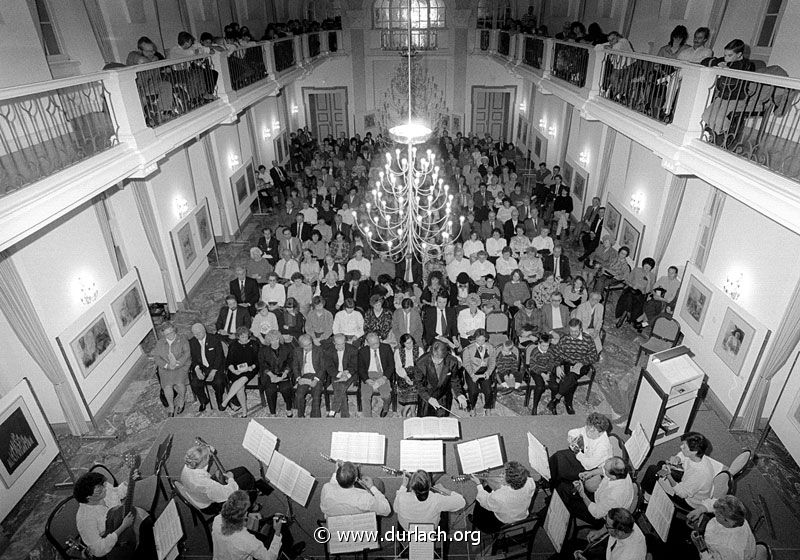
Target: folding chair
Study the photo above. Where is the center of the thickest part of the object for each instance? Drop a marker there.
(62, 531)
(666, 334)
(519, 533)
(197, 516)
(763, 551)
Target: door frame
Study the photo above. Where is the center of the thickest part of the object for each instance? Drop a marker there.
(306, 91)
(512, 90)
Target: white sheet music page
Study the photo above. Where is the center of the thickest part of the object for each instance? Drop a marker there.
(659, 512)
(358, 447)
(274, 471)
(637, 447)
(340, 524)
(480, 454)
(167, 531)
(491, 451)
(421, 548)
(259, 441)
(303, 484)
(538, 457)
(427, 455)
(556, 522)
(430, 427)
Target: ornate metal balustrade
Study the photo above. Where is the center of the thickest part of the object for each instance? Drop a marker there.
(504, 43)
(397, 39)
(247, 66)
(757, 118)
(46, 131)
(534, 52)
(570, 63)
(314, 45)
(485, 37)
(646, 85)
(283, 49)
(169, 89)
(333, 41)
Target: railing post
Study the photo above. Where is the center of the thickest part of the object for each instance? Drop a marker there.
(594, 70)
(494, 35)
(324, 38)
(340, 41)
(547, 58)
(124, 99)
(520, 53)
(269, 58)
(696, 82)
(300, 45)
(225, 89)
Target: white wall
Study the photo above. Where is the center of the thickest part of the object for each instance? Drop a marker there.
(551, 109)
(652, 23)
(334, 72)
(687, 227)
(77, 39)
(483, 72)
(585, 137)
(787, 42)
(225, 139)
(21, 53)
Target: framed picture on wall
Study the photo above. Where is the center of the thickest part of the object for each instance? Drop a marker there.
(186, 241)
(92, 345)
(369, 121)
(127, 308)
(251, 178)
(734, 340)
(456, 124)
(278, 145)
(20, 441)
(241, 188)
(695, 303)
(566, 174)
(612, 220)
(203, 225)
(629, 236)
(524, 133)
(579, 185)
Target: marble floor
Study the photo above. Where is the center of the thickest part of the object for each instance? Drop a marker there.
(135, 419)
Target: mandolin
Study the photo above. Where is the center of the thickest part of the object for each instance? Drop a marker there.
(128, 540)
(401, 472)
(219, 476)
(359, 482)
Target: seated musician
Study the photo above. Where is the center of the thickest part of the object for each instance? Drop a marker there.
(347, 494)
(205, 493)
(96, 497)
(625, 540)
(616, 490)
(507, 504)
(727, 536)
(376, 372)
(589, 448)
(419, 501)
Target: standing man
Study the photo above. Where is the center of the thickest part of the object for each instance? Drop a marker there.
(593, 227)
(279, 177)
(207, 366)
(245, 290)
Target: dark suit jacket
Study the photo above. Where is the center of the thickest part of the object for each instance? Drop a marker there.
(428, 383)
(548, 264)
(360, 295)
(305, 234)
(243, 318)
(337, 200)
(344, 228)
(349, 362)
(215, 356)
(270, 249)
(416, 270)
(510, 230)
(276, 179)
(286, 219)
(250, 295)
(546, 317)
(319, 359)
(387, 361)
(429, 324)
(487, 229)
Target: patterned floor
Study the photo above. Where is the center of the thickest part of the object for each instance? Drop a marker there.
(136, 417)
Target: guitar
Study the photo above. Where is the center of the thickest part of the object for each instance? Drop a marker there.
(359, 482)
(219, 476)
(76, 546)
(128, 540)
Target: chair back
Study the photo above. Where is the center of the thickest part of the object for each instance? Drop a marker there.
(740, 462)
(179, 492)
(636, 502)
(763, 551)
(105, 471)
(61, 527)
(722, 485)
(497, 322)
(618, 450)
(667, 328)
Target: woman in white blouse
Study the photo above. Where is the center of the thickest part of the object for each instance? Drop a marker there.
(273, 293)
(405, 357)
(473, 245)
(495, 244)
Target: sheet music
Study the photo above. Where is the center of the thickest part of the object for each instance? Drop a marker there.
(427, 455)
(338, 524)
(430, 427)
(419, 549)
(259, 441)
(538, 457)
(290, 478)
(167, 531)
(480, 454)
(659, 512)
(556, 522)
(358, 447)
(637, 447)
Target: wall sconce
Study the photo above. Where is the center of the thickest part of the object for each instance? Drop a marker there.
(267, 134)
(637, 201)
(542, 125)
(552, 131)
(584, 158)
(182, 207)
(523, 107)
(233, 161)
(733, 286)
(276, 126)
(295, 109)
(88, 291)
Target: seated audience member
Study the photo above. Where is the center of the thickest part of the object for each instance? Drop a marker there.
(435, 384)
(207, 367)
(319, 322)
(301, 292)
(406, 320)
(616, 490)
(519, 243)
(349, 322)
(556, 264)
(528, 314)
(172, 357)
(495, 245)
(730, 94)
(287, 266)
(478, 360)
(405, 362)
(439, 322)
(516, 291)
(473, 245)
(275, 371)
(589, 448)
(504, 266)
(231, 317)
(615, 273)
(590, 313)
(356, 289)
(698, 52)
(577, 353)
(343, 359)
(242, 366)
(677, 43)
(554, 315)
(688, 477)
(495, 507)
(206, 493)
(602, 257)
(310, 368)
(359, 263)
(543, 243)
(433, 289)
(259, 267)
(460, 291)
(376, 372)
(625, 540)
(507, 366)
(264, 321)
(664, 295)
(269, 247)
(727, 536)
(347, 493)
(95, 497)
(470, 320)
(378, 319)
(245, 290)
(309, 267)
(458, 265)
(332, 292)
(481, 268)
(292, 322)
(489, 293)
(638, 286)
(273, 292)
(418, 500)
(541, 360)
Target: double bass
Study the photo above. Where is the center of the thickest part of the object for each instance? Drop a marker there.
(128, 540)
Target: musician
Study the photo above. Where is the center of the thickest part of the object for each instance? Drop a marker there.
(589, 448)
(206, 493)
(479, 363)
(208, 366)
(96, 497)
(344, 361)
(309, 371)
(507, 504)
(435, 384)
(376, 372)
(341, 496)
(616, 490)
(418, 500)
(625, 540)
(727, 536)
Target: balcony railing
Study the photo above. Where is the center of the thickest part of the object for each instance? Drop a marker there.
(314, 48)
(333, 41)
(534, 52)
(246, 66)
(570, 63)
(171, 88)
(645, 84)
(485, 38)
(283, 49)
(46, 127)
(397, 39)
(757, 117)
(504, 43)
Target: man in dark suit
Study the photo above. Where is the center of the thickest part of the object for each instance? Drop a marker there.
(483, 201)
(352, 198)
(488, 227)
(439, 322)
(343, 359)
(245, 290)
(510, 227)
(376, 371)
(208, 366)
(556, 264)
(300, 229)
(231, 317)
(435, 384)
(552, 314)
(409, 269)
(310, 369)
(280, 178)
(268, 244)
(340, 226)
(591, 237)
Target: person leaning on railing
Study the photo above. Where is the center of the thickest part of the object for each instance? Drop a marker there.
(729, 93)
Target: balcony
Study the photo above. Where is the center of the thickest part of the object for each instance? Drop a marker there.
(503, 43)
(421, 39)
(533, 54)
(570, 62)
(283, 51)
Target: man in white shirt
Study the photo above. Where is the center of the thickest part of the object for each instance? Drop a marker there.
(727, 536)
(419, 501)
(349, 322)
(458, 265)
(470, 320)
(286, 267)
(589, 448)
(481, 268)
(616, 490)
(625, 540)
(698, 51)
(508, 503)
(358, 262)
(273, 293)
(205, 493)
(348, 494)
(543, 241)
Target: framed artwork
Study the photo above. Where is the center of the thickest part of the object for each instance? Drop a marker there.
(579, 186)
(127, 308)
(278, 145)
(794, 412)
(734, 340)
(444, 122)
(456, 124)
(203, 226)
(369, 121)
(20, 441)
(186, 241)
(524, 133)
(92, 345)
(241, 189)
(566, 174)
(630, 236)
(695, 304)
(251, 178)
(612, 220)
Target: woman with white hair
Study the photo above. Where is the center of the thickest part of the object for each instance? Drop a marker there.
(727, 536)
(206, 493)
(275, 367)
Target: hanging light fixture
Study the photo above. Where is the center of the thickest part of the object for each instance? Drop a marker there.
(409, 212)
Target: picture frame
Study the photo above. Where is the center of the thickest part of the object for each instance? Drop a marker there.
(370, 121)
(630, 237)
(456, 124)
(92, 345)
(21, 442)
(251, 178)
(203, 224)
(278, 146)
(734, 340)
(186, 243)
(612, 220)
(794, 412)
(241, 189)
(579, 185)
(566, 174)
(695, 303)
(127, 308)
(524, 133)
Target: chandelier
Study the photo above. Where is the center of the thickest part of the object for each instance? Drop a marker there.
(409, 210)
